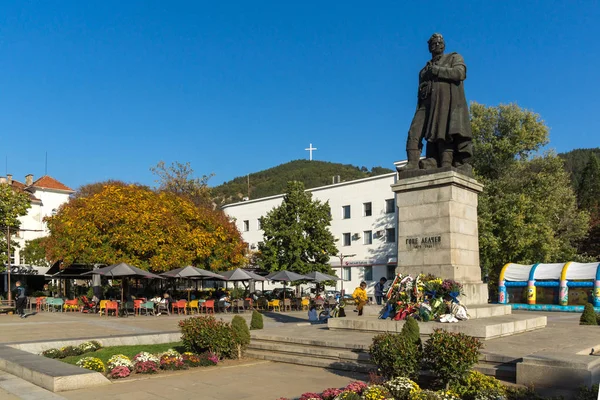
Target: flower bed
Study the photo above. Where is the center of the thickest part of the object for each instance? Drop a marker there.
(425, 298)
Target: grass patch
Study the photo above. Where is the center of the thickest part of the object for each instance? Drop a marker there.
(130, 351)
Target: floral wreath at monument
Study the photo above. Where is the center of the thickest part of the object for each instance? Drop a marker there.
(424, 298)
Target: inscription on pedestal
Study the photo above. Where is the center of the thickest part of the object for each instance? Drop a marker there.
(425, 242)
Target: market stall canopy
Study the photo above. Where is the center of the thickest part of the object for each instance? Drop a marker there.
(239, 274)
(287, 276)
(192, 272)
(123, 270)
(321, 277)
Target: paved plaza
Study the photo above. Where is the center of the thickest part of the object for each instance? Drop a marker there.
(249, 379)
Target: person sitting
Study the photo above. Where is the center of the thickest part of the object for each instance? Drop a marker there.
(312, 314)
(360, 296)
(225, 302)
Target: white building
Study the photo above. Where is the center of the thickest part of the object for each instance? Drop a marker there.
(363, 222)
(46, 195)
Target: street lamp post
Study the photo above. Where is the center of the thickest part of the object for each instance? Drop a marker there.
(342, 256)
(8, 261)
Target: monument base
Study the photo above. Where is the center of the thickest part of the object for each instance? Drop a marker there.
(437, 229)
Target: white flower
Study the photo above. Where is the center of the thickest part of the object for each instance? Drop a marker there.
(119, 360)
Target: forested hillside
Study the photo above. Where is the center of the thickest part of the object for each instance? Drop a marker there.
(274, 180)
(575, 161)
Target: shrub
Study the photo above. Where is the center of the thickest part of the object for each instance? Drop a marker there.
(411, 331)
(69, 351)
(587, 393)
(52, 353)
(522, 393)
(87, 347)
(92, 363)
(119, 372)
(172, 362)
(348, 395)
(450, 356)
(331, 393)
(205, 333)
(588, 317)
(145, 356)
(433, 395)
(375, 392)
(257, 320)
(402, 388)
(146, 367)
(477, 386)
(396, 355)
(241, 334)
(119, 360)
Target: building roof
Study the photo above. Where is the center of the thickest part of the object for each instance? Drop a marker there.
(48, 182)
(20, 187)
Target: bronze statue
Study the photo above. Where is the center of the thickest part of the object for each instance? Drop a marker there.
(442, 116)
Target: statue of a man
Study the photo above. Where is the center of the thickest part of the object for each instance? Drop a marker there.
(442, 116)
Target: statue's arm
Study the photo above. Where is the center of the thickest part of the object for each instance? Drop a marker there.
(457, 72)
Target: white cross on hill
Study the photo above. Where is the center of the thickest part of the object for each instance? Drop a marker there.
(310, 150)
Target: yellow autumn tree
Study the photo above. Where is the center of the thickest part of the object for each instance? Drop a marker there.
(156, 231)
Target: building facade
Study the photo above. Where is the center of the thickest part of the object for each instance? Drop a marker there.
(46, 195)
(363, 221)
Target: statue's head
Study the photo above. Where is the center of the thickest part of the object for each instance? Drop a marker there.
(436, 44)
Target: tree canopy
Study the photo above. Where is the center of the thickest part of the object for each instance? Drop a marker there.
(13, 204)
(588, 195)
(34, 253)
(296, 234)
(528, 211)
(178, 179)
(158, 231)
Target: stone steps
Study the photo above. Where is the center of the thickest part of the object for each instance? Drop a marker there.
(348, 356)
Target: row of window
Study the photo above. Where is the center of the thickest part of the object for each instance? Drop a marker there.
(368, 273)
(390, 236)
(367, 211)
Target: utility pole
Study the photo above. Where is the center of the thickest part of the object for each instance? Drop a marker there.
(8, 267)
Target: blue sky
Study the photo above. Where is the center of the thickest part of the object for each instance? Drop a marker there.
(110, 88)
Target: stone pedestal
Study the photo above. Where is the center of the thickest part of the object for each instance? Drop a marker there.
(437, 229)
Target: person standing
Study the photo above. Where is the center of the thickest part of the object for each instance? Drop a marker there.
(379, 289)
(360, 296)
(20, 299)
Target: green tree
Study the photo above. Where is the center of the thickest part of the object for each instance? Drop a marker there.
(179, 179)
(34, 253)
(528, 211)
(13, 204)
(296, 234)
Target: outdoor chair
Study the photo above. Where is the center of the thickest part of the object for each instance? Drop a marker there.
(287, 305)
(249, 304)
(193, 305)
(55, 304)
(40, 302)
(147, 307)
(102, 306)
(319, 304)
(137, 304)
(178, 306)
(274, 304)
(112, 306)
(163, 307)
(208, 305)
(129, 308)
(237, 305)
(30, 302)
(305, 303)
(262, 303)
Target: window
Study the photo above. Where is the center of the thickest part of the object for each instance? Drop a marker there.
(345, 212)
(391, 272)
(346, 274)
(390, 204)
(246, 226)
(390, 235)
(346, 239)
(368, 273)
(368, 237)
(368, 209)
(258, 224)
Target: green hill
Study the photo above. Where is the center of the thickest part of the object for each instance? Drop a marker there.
(273, 181)
(575, 161)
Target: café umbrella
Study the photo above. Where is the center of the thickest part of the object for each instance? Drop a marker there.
(122, 271)
(191, 272)
(287, 276)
